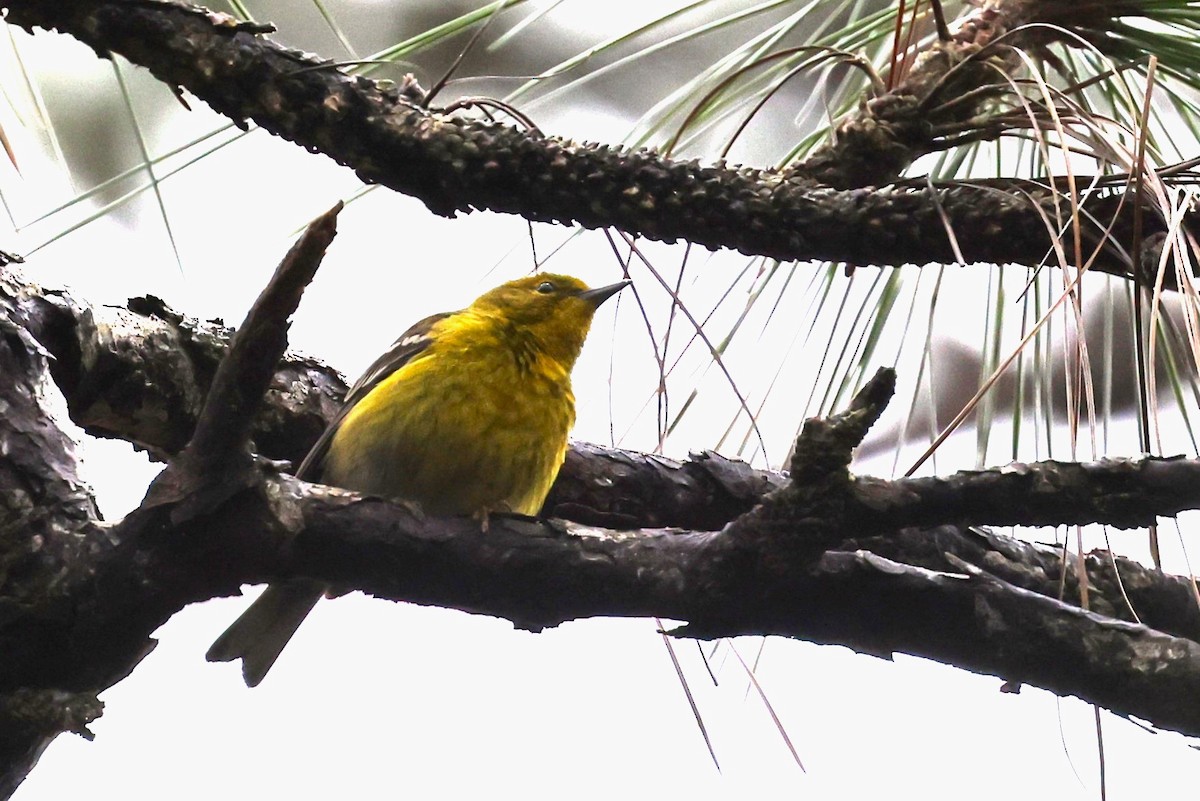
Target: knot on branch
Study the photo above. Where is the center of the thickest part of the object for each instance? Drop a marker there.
(794, 525)
(826, 445)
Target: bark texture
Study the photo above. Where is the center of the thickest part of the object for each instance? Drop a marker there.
(879, 566)
(454, 164)
(819, 554)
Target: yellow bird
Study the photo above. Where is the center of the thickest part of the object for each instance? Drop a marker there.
(467, 413)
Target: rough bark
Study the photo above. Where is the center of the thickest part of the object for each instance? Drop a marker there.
(820, 554)
(148, 369)
(457, 165)
(879, 566)
(44, 509)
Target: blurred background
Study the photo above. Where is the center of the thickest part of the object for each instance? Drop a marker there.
(114, 189)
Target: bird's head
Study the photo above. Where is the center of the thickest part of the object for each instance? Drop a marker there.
(556, 310)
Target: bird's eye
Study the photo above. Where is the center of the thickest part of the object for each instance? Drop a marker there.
(545, 287)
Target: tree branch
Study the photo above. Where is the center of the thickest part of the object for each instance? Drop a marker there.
(822, 556)
(540, 574)
(45, 514)
(81, 611)
(216, 457)
(457, 165)
(245, 372)
(148, 369)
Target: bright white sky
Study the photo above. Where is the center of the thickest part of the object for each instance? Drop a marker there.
(374, 700)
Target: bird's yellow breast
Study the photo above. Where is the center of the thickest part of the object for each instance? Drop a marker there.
(466, 426)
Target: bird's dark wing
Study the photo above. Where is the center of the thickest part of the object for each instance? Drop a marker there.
(409, 344)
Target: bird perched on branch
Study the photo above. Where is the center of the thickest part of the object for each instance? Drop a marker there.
(467, 413)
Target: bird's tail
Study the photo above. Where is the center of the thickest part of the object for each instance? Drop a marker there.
(262, 631)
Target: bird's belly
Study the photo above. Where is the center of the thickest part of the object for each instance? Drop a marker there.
(466, 446)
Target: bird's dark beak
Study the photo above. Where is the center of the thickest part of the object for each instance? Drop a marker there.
(601, 294)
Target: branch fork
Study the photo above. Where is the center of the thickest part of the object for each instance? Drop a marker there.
(818, 554)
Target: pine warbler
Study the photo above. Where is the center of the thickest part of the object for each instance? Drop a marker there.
(467, 413)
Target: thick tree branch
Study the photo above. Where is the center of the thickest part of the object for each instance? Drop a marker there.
(454, 165)
(81, 615)
(65, 582)
(109, 396)
(538, 574)
(148, 369)
(44, 508)
(141, 373)
(1127, 493)
(822, 556)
